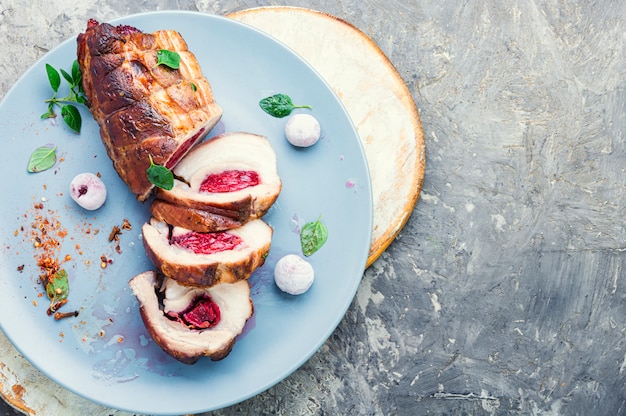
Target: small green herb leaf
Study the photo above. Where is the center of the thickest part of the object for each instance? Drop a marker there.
(168, 58)
(50, 113)
(71, 116)
(67, 76)
(43, 158)
(279, 105)
(53, 77)
(77, 76)
(57, 289)
(313, 236)
(70, 113)
(160, 176)
(193, 87)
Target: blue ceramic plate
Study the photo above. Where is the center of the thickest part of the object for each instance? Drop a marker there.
(105, 354)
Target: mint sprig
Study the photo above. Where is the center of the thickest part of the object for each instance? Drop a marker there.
(69, 112)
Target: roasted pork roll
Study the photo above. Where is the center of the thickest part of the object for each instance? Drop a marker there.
(189, 323)
(206, 259)
(233, 175)
(145, 108)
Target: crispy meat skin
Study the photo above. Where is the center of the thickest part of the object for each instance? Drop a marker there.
(192, 218)
(144, 109)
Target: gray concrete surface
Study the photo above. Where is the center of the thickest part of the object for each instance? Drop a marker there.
(504, 294)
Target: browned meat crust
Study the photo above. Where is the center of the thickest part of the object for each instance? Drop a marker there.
(191, 218)
(144, 109)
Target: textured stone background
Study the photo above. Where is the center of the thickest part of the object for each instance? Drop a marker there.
(504, 294)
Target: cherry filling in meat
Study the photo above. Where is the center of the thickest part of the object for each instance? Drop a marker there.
(202, 313)
(207, 243)
(229, 181)
(183, 149)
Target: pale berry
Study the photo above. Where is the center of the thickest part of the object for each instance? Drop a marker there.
(88, 191)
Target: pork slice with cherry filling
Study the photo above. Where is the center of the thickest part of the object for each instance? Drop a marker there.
(189, 323)
(206, 259)
(233, 175)
(144, 109)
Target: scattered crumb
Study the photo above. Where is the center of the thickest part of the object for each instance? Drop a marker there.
(115, 233)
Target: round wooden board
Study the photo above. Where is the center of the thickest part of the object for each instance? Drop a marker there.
(376, 98)
(386, 118)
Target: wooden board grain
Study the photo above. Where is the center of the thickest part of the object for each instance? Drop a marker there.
(376, 98)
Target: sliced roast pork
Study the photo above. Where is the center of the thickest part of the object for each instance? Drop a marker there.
(206, 259)
(192, 218)
(190, 322)
(232, 175)
(145, 109)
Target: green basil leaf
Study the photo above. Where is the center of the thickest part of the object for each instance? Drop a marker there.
(50, 113)
(168, 58)
(43, 158)
(57, 289)
(160, 176)
(53, 77)
(313, 236)
(77, 76)
(67, 76)
(72, 117)
(279, 105)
